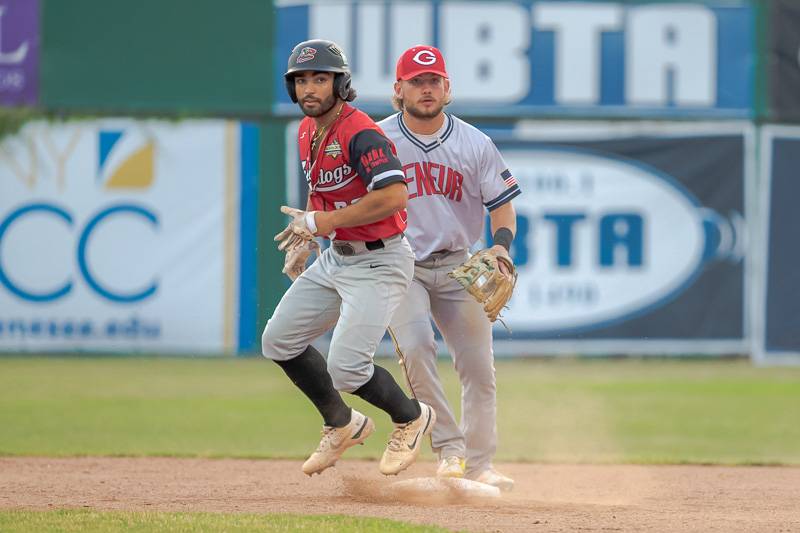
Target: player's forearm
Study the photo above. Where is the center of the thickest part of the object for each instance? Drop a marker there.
(503, 217)
(375, 205)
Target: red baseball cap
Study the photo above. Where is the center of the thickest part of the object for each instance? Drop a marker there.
(419, 60)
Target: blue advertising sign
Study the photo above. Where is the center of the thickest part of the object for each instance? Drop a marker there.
(636, 236)
(519, 58)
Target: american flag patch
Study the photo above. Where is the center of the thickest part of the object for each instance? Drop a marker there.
(509, 180)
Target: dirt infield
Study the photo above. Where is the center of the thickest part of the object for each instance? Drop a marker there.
(547, 497)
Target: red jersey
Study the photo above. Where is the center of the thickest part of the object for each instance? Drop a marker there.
(354, 158)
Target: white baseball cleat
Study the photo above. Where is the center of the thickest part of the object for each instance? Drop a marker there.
(451, 466)
(492, 477)
(336, 440)
(406, 442)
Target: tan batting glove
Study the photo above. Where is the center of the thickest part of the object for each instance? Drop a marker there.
(298, 230)
(294, 263)
(290, 241)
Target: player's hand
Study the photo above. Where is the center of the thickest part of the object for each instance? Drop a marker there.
(289, 240)
(502, 252)
(484, 279)
(300, 221)
(296, 232)
(294, 263)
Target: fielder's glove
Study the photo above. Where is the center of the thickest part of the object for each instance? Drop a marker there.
(297, 232)
(294, 263)
(482, 277)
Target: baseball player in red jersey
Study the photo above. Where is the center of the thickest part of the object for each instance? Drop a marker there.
(455, 175)
(357, 197)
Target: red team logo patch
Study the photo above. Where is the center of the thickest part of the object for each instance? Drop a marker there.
(306, 54)
(425, 57)
(374, 158)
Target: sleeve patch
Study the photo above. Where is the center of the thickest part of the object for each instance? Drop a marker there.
(372, 155)
(374, 158)
(508, 179)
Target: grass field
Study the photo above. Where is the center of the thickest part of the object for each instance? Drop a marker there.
(648, 411)
(112, 522)
(593, 411)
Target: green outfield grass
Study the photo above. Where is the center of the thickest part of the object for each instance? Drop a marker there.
(111, 522)
(659, 411)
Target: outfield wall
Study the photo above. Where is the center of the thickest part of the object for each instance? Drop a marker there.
(653, 218)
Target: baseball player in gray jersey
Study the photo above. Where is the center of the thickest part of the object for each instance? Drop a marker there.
(357, 196)
(454, 175)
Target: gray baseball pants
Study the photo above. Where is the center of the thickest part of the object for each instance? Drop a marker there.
(357, 294)
(468, 336)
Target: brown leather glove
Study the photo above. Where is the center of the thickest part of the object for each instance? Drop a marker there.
(482, 277)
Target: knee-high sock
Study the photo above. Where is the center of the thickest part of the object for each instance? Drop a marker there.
(383, 392)
(309, 371)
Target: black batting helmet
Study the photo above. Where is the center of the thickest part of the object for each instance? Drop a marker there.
(324, 56)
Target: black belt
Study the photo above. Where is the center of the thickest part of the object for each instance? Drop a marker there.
(346, 248)
(374, 245)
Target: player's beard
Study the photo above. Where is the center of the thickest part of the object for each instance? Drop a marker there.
(423, 115)
(324, 106)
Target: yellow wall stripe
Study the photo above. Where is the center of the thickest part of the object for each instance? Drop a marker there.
(229, 248)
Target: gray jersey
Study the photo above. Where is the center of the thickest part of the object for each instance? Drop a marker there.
(453, 176)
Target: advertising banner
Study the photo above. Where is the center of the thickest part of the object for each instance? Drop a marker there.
(784, 60)
(777, 313)
(19, 52)
(633, 239)
(518, 58)
(127, 235)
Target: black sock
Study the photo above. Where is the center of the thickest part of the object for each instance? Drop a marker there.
(383, 392)
(309, 372)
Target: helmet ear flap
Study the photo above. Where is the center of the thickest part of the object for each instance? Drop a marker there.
(341, 85)
(290, 88)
